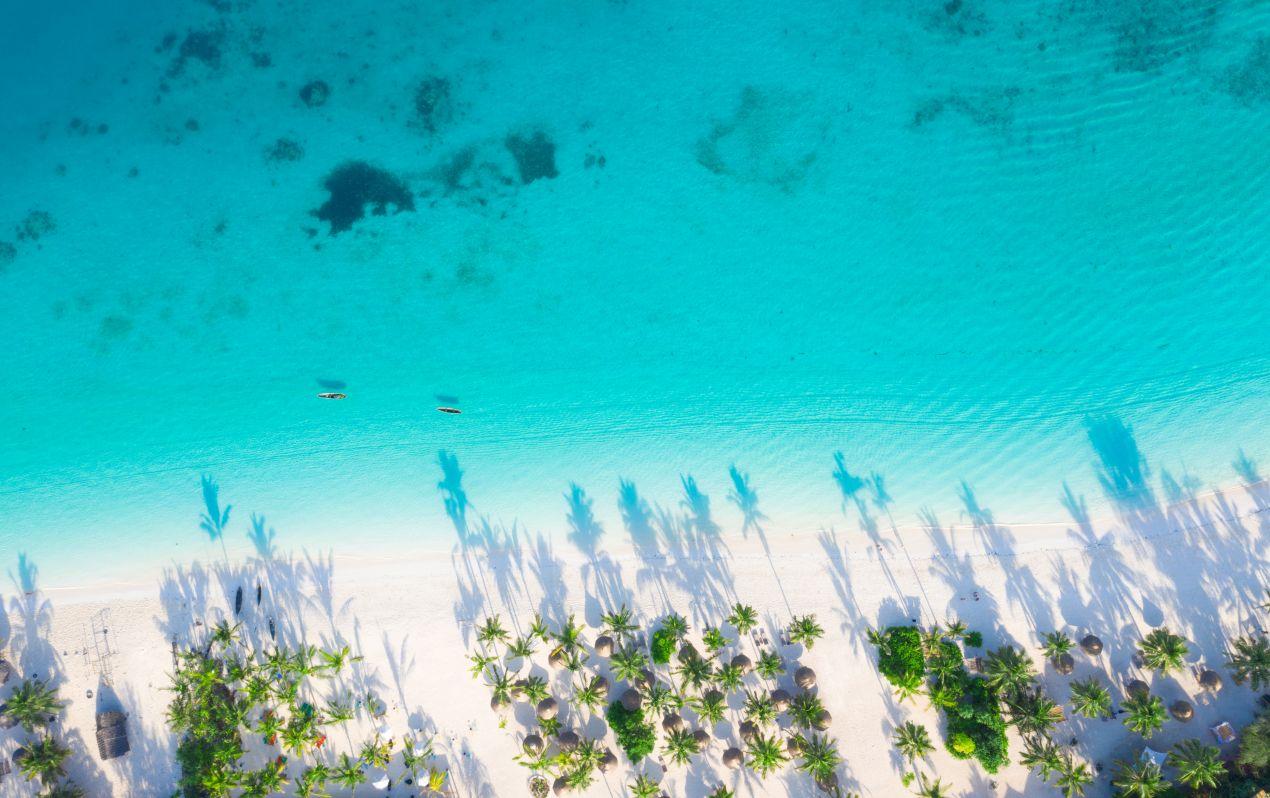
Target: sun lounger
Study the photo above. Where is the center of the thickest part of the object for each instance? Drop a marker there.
(1225, 733)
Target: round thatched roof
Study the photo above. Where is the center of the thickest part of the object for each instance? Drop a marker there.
(632, 700)
(733, 758)
(1138, 687)
(561, 786)
(823, 720)
(548, 708)
(1182, 710)
(1091, 645)
(1064, 664)
(829, 783)
(743, 663)
(805, 678)
(568, 739)
(6, 670)
(608, 761)
(702, 736)
(780, 699)
(499, 703)
(748, 730)
(1210, 680)
(533, 745)
(672, 722)
(601, 686)
(794, 745)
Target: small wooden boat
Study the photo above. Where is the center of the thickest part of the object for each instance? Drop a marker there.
(332, 395)
(453, 410)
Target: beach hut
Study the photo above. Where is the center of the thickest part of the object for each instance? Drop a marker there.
(805, 678)
(561, 786)
(1182, 710)
(112, 734)
(732, 758)
(1210, 681)
(794, 745)
(1091, 645)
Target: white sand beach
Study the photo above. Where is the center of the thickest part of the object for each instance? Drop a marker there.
(1199, 567)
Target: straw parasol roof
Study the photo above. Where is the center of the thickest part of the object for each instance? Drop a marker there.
(823, 720)
(6, 670)
(561, 786)
(604, 646)
(748, 730)
(702, 736)
(672, 723)
(805, 678)
(533, 745)
(780, 700)
(632, 700)
(829, 783)
(1064, 664)
(601, 686)
(568, 739)
(1209, 680)
(608, 761)
(1182, 710)
(794, 745)
(743, 663)
(733, 758)
(1138, 687)
(112, 734)
(548, 708)
(1091, 645)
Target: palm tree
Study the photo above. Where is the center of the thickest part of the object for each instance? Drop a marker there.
(644, 787)
(1008, 670)
(1090, 698)
(912, 741)
(67, 789)
(492, 631)
(681, 746)
(1033, 712)
(1055, 645)
(721, 792)
(1146, 714)
(1073, 778)
(1249, 661)
(805, 709)
(312, 782)
(618, 624)
(1254, 752)
(376, 753)
(729, 678)
(348, 773)
(804, 629)
(32, 704)
(956, 630)
(334, 661)
(766, 754)
(710, 707)
(713, 639)
(479, 663)
(1163, 651)
(534, 688)
(1041, 754)
(933, 789)
(269, 727)
(592, 692)
(759, 709)
(695, 672)
(1198, 766)
(1139, 778)
(539, 629)
(628, 664)
(339, 711)
(569, 638)
(676, 624)
(521, 647)
(45, 760)
(769, 665)
(661, 699)
(743, 618)
(820, 757)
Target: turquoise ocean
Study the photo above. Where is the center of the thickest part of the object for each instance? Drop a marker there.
(629, 240)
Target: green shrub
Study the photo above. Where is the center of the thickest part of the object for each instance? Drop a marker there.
(663, 646)
(977, 715)
(900, 655)
(961, 745)
(973, 639)
(635, 735)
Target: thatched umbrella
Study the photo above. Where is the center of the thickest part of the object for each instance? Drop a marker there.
(733, 758)
(557, 658)
(6, 670)
(780, 700)
(1137, 687)
(702, 736)
(500, 703)
(1064, 663)
(608, 761)
(794, 745)
(604, 646)
(561, 786)
(1091, 645)
(748, 730)
(632, 700)
(823, 720)
(548, 708)
(533, 745)
(647, 677)
(568, 740)
(7, 721)
(672, 723)
(112, 734)
(687, 651)
(742, 662)
(828, 783)
(1210, 681)
(805, 678)
(601, 686)
(1182, 710)
(714, 695)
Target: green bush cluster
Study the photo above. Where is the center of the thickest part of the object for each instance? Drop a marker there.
(900, 655)
(635, 735)
(975, 715)
(663, 645)
(974, 639)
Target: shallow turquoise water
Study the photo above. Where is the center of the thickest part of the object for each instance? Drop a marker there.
(934, 238)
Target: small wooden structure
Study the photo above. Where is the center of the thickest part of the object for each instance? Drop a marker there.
(112, 734)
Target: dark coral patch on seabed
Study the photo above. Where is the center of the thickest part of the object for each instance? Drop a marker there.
(356, 186)
(535, 156)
